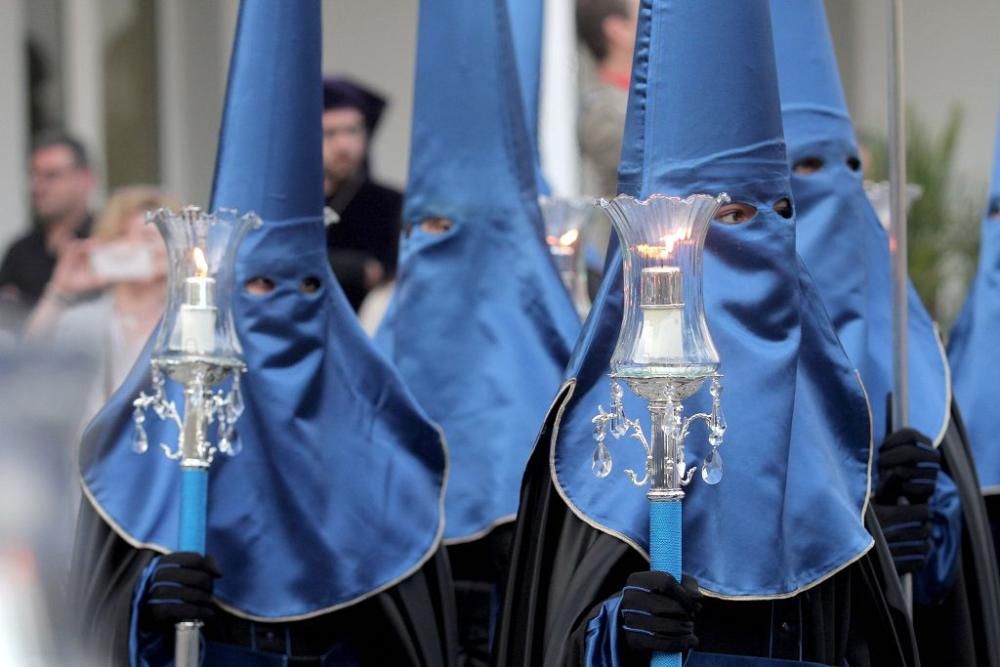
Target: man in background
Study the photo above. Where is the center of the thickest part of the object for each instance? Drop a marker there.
(363, 243)
(62, 183)
(607, 30)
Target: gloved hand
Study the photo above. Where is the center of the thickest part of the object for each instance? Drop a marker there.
(657, 614)
(908, 466)
(179, 590)
(907, 529)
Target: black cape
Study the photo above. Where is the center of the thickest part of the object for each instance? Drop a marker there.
(411, 623)
(964, 627)
(563, 570)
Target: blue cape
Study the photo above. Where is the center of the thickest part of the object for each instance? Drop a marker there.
(973, 349)
(838, 234)
(338, 491)
(788, 514)
(480, 325)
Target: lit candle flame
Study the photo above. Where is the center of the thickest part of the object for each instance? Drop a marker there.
(570, 237)
(664, 251)
(567, 239)
(201, 265)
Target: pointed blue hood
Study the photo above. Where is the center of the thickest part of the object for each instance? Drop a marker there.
(527, 22)
(838, 233)
(704, 117)
(338, 491)
(973, 349)
(480, 325)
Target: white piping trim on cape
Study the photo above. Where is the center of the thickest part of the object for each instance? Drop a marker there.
(482, 532)
(423, 560)
(947, 385)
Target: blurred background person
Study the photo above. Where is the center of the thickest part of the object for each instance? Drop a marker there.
(62, 183)
(363, 243)
(607, 30)
(108, 292)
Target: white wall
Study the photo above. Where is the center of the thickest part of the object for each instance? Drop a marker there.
(952, 56)
(13, 122)
(195, 40)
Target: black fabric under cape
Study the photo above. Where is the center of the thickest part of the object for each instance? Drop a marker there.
(563, 570)
(412, 623)
(369, 228)
(964, 628)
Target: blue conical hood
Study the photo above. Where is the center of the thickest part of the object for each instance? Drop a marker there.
(302, 521)
(838, 233)
(681, 79)
(480, 325)
(704, 116)
(807, 64)
(973, 349)
(527, 21)
(270, 142)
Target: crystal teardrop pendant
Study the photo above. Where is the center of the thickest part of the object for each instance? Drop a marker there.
(711, 469)
(140, 443)
(602, 461)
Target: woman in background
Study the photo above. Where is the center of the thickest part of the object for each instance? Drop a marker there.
(107, 292)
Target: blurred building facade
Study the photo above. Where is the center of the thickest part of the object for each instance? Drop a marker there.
(142, 81)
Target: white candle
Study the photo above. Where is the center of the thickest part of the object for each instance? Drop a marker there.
(198, 312)
(662, 334)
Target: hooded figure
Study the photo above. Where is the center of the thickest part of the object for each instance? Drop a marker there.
(364, 241)
(326, 529)
(779, 548)
(846, 249)
(972, 348)
(480, 325)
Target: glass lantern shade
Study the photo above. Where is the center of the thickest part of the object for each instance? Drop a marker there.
(197, 333)
(878, 195)
(566, 225)
(664, 339)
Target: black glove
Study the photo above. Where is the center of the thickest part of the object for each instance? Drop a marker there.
(179, 590)
(908, 466)
(907, 529)
(657, 614)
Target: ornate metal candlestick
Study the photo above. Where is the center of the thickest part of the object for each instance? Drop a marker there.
(196, 347)
(566, 223)
(664, 354)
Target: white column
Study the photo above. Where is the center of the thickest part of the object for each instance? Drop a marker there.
(557, 120)
(170, 98)
(13, 122)
(83, 76)
(194, 40)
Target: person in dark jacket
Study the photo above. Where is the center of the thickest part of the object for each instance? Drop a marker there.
(62, 182)
(364, 241)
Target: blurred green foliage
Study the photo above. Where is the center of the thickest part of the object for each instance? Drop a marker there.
(943, 225)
